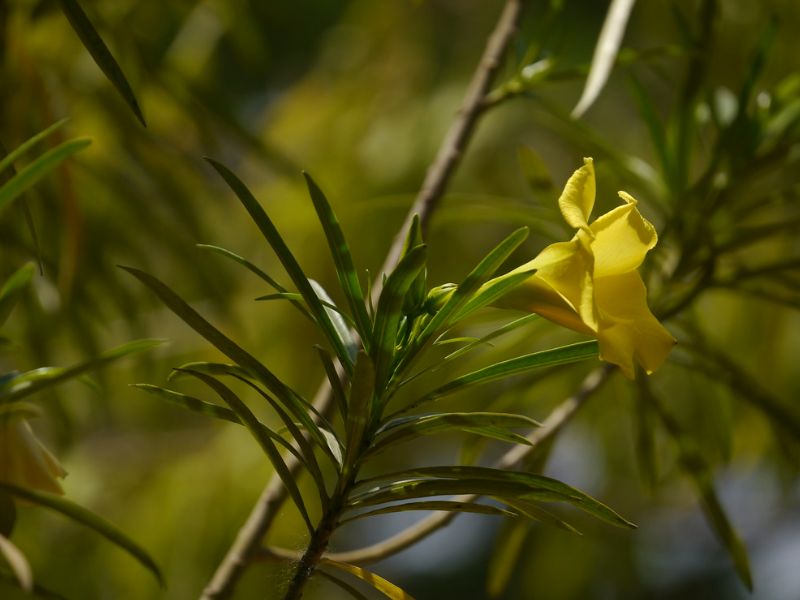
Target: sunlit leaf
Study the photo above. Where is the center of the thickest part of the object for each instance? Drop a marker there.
(88, 519)
(387, 588)
(605, 53)
(100, 53)
(345, 269)
(513, 366)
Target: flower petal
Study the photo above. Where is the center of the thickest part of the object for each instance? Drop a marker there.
(622, 238)
(628, 330)
(561, 289)
(577, 199)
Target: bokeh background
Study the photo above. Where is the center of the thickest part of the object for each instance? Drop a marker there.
(360, 94)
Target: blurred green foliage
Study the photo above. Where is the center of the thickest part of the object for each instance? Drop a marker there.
(699, 121)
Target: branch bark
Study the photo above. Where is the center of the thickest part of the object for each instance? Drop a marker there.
(247, 545)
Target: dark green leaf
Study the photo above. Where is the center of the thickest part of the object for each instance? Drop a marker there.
(334, 380)
(389, 311)
(491, 425)
(250, 421)
(89, 519)
(337, 319)
(287, 259)
(435, 505)
(484, 481)
(210, 409)
(345, 269)
(359, 407)
(92, 41)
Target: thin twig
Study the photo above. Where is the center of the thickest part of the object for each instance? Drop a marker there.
(247, 544)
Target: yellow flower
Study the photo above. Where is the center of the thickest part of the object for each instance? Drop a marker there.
(24, 461)
(591, 284)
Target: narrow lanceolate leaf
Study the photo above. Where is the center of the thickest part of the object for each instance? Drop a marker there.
(500, 331)
(18, 563)
(257, 271)
(491, 291)
(390, 310)
(92, 41)
(33, 171)
(30, 382)
(345, 269)
(359, 406)
(507, 549)
(513, 366)
(12, 288)
(605, 53)
(290, 264)
(319, 433)
(254, 426)
(500, 484)
(20, 150)
(334, 380)
(480, 274)
(385, 587)
(227, 346)
(337, 319)
(491, 425)
(210, 409)
(435, 505)
(88, 519)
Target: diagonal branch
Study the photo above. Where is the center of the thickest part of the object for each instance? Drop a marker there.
(247, 544)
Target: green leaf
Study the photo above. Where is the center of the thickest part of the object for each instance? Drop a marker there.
(500, 331)
(250, 421)
(486, 424)
(15, 154)
(334, 380)
(13, 288)
(483, 481)
(345, 269)
(30, 382)
(605, 53)
(35, 170)
(511, 367)
(389, 311)
(416, 293)
(435, 505)
(337, 319)
(224, 344)
(210, 409)
(92, 41)
(385, 587)
(88, 519)
(288, 261)
(492, 291)
(18, 563)
(480, 274)
(359, 407)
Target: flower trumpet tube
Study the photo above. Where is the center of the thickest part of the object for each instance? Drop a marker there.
(24, 461)
(591, 284)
